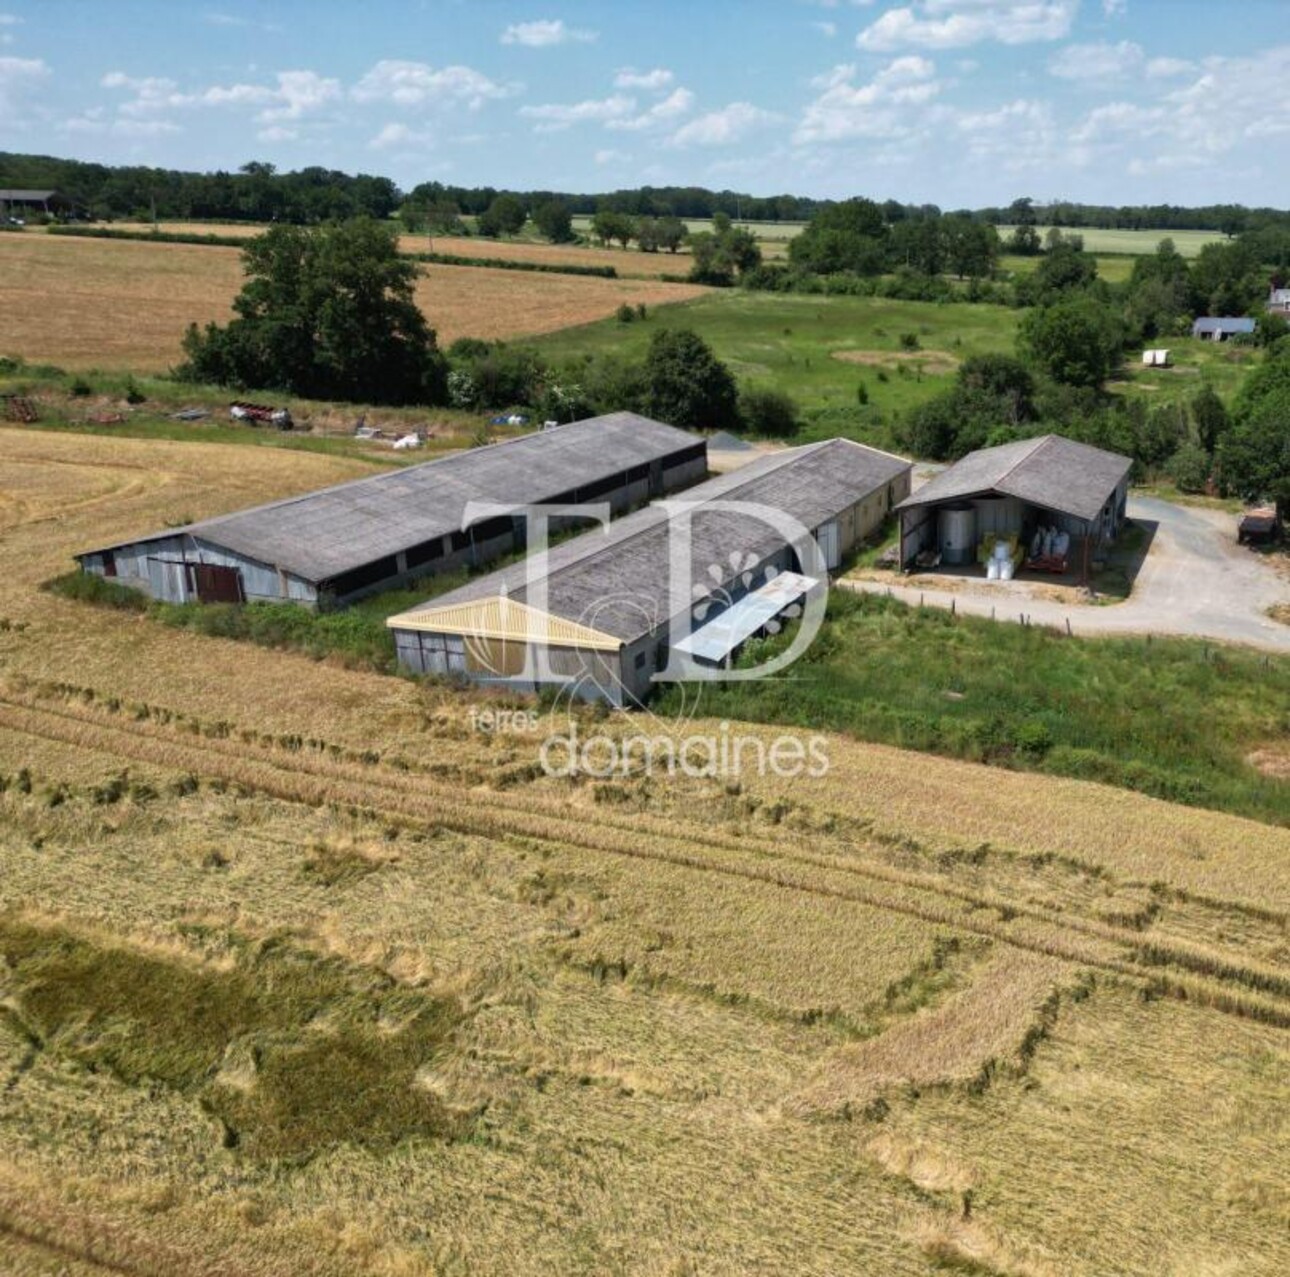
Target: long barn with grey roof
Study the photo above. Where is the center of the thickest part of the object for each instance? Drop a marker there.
(600, 615)
(376, 533)
(1013, 491)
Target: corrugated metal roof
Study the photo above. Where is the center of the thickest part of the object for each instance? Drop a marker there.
(618, 581)
(1222, 324)
(321, 534)
(1049, 471)
(502, 618)
(717, 638)
(6, 196)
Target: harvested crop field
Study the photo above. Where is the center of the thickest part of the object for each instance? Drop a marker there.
(627, 262)
(84, 303)
(911, 1016)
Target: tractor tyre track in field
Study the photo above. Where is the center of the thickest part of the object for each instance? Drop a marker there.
(1213, 978)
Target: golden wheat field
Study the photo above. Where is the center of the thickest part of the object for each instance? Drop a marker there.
(300, 974)
(627, 262)
(117, 304)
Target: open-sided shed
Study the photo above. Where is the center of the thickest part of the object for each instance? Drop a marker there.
(1015, 490)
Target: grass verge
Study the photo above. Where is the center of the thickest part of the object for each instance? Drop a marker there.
(1172, 718)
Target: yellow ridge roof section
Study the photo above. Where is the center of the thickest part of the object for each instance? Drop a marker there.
(500, 617)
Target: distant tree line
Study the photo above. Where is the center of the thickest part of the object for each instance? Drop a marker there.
(1226, 219)
(258, 192)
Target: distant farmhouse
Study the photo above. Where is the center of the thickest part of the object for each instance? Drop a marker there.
(1279, 302)
(1213, 328)
(605, 610)
(340, 543)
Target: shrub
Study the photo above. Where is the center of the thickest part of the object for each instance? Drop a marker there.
(133, 395)
(1190, 468)
(80, 388)
(86, 587)
(768, 412)
(909, 341)
(626, 313)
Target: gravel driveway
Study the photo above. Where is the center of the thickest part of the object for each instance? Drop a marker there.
(1195, 581)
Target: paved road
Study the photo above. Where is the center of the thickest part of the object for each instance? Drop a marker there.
(1195, 581)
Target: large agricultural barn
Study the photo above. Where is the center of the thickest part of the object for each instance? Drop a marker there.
(340, 543)
(1015, 492)
(609, 599)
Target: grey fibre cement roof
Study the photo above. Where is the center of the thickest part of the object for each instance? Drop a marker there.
(321, 534)
(1050, 471)
(617, 580)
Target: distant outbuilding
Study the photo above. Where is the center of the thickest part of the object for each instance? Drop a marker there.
(17, 200)
(1220, 328)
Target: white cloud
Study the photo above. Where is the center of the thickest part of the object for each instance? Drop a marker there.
(546, 32)
(827, 29)
(1115, 8)
(152, 93)
(92, 122)
(277, 133)
(1164, 68)
(295, 95)
(216, 19)
(554, 116)
(1097, 61)
(1231, 103)
(655, 81)
(9, 20)
(416, 84)
(1016, 136)
(609, 156)
(300, 93)
(722, 128)
(401, 135)
(888, 106)
(18, 78)
(677, 103)
(952, 24)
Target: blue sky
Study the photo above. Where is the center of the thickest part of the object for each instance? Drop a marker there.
(957, 102)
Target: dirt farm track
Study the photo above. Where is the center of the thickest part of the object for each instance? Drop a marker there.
(84, 303)
(898, 990)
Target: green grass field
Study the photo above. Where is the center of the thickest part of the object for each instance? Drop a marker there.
(1098, 240)
(1173, 718)
(1114, 268)
(1194, 362)
(794, 343)
(767, 232)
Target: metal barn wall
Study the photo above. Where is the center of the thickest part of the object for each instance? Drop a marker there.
(597, 675)
(999, 514)
(260, 583)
